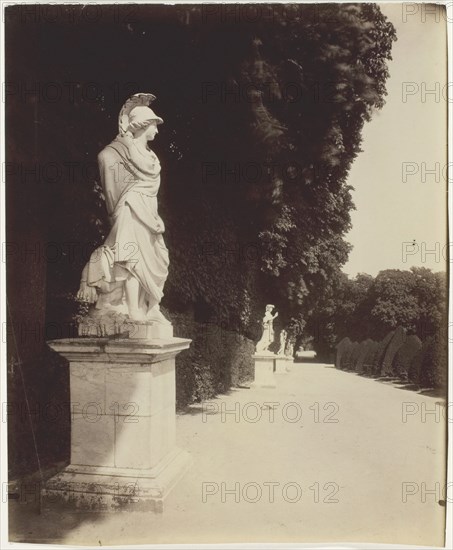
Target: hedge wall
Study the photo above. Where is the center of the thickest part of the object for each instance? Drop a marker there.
(406, 357)
(216, 360)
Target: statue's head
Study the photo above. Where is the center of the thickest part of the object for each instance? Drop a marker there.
(269, 307)
(136, 117)
(143, 120)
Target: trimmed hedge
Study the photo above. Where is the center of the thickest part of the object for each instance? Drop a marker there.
(348, 357)
(365, 347)
(355, 352)
(368, 362)
(398, 339)
(424, 364)
(405, 355)
(216, 360)
(341, 347)
(430, 366)
(380, 353)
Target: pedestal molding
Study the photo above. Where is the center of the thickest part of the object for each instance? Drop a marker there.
(118, 350)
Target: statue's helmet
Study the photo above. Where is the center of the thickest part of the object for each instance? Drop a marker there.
(136, 112)
(141, 115)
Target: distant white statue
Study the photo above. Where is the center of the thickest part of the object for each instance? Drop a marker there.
(290, 350)
(268, 329)
(283, 337)
(126, 275)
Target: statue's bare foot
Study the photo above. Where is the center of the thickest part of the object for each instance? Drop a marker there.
(86, 293)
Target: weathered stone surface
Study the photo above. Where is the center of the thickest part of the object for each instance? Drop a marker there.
(104, 490)
(97, 323)
(282, 364)
(92, 438)
(123, 428)
(264, 370)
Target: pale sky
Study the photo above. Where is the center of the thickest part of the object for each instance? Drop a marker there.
(411, 129)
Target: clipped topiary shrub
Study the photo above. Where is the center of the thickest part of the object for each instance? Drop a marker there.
(405, 355)
(434, 362)
(413, 374)
(350, 356)
(341, 348)
(398, 339)
(355, 355)
(368, 361)
(364, 349)
(379, 354)
(346, 359)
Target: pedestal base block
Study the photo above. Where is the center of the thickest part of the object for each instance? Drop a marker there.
(282, 364)
(264, 370)
(89, 489)
(123, 425)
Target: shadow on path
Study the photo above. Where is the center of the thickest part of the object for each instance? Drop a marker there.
(400, 384)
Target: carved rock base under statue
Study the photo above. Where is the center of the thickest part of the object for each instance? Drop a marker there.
(123, 452)
(101, 323)
(264, 370)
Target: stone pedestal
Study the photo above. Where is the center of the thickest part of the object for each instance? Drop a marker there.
(123, 452)
(282, 364)
(264, 370)
(290, 363)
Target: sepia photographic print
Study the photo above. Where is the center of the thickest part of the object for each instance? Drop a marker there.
(225, 274)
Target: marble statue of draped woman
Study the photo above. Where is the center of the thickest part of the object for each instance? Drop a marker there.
(128, 272)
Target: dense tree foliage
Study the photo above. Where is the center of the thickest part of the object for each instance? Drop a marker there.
(369, 307)
(263, 119)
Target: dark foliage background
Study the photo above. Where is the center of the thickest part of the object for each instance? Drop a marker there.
(288, 94)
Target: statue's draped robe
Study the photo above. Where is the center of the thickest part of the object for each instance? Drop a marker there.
(267, 337)
(135, 245)
(268, 328)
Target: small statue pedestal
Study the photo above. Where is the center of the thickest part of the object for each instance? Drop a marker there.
(123, 452)
(264, 370)
(290, 363)
(282, 364)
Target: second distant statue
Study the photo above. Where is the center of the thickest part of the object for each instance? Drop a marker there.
(268, 329)
(283, 338)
